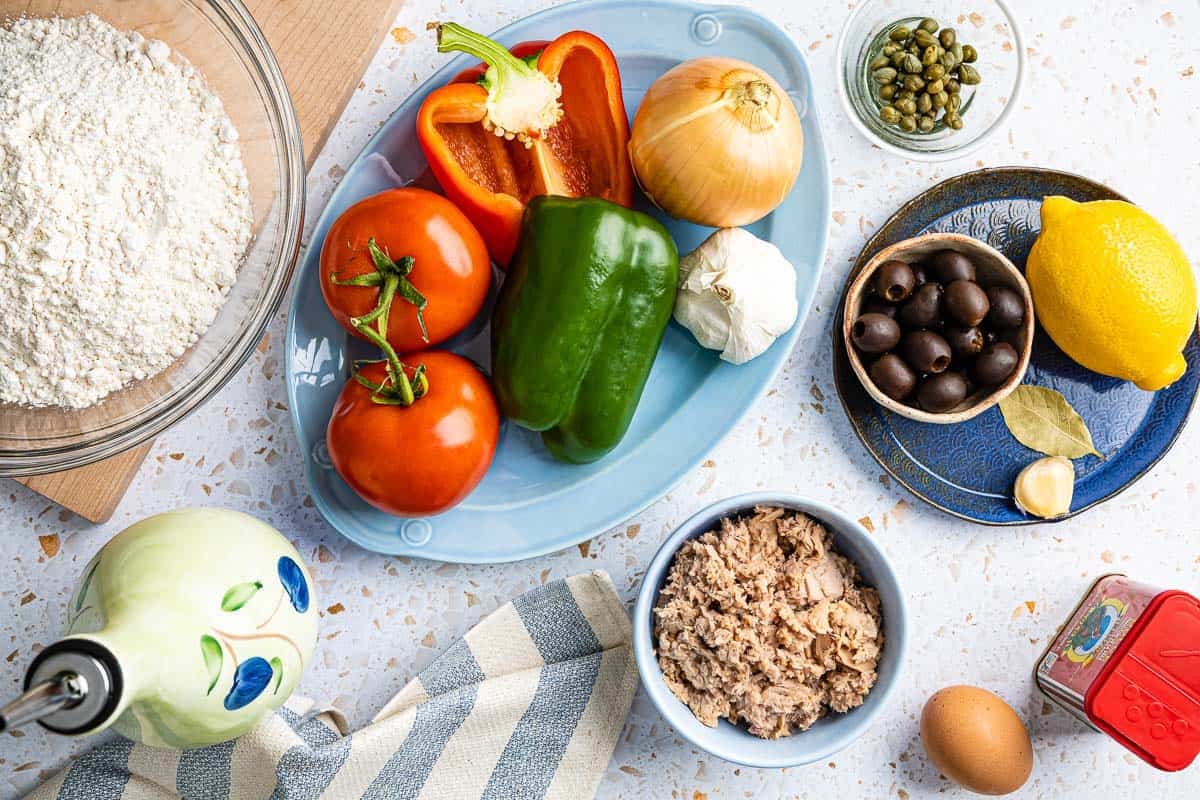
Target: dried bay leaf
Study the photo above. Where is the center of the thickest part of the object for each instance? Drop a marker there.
(1043, 420)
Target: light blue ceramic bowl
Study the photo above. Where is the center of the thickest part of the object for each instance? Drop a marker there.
(833, 732)
(528, 503)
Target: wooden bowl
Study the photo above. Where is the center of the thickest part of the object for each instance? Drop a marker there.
(992, 269)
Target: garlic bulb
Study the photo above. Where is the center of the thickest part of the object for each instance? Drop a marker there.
(1045, 487)
(737, 294)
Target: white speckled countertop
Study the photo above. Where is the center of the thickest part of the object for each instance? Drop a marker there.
(1112, 95)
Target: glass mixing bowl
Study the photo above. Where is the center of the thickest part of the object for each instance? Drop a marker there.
(221, 39)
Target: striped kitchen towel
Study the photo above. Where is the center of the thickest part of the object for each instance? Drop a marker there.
(528, 704)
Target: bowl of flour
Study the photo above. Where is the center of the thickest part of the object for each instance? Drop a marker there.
(151, 197)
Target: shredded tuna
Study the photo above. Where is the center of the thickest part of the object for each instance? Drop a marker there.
(763, 623)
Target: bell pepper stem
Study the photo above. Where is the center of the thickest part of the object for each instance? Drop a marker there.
(454, 37)
(522, 102)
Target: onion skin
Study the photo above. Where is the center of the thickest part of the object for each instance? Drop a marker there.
(717, 142)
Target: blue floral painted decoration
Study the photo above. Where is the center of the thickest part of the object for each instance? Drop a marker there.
(252, 676)
(292, 578)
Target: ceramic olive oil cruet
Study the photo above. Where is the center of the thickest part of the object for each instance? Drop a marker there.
(183, 631)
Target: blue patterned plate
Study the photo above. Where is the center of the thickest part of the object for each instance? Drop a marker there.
(529, 504)
(968, 469)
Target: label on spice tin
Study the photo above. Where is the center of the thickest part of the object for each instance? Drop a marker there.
(1093, 633)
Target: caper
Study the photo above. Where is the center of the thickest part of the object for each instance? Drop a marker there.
(884, 75)
(920, 72)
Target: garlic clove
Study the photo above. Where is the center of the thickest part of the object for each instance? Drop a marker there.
(1045, 487)
(703, 313)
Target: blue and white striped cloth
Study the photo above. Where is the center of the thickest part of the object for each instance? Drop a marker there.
(529, 704)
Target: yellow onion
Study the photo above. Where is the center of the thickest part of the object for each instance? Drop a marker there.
(717, 142)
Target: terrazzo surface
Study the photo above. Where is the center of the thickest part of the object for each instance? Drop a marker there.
(1113, 95)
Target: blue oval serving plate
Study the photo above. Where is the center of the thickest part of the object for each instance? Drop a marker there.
(528, 504)
(968, 469)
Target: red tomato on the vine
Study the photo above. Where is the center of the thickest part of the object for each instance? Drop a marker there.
(418, 459)
(450, 269)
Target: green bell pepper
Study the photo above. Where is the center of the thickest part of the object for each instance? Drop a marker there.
(579, 320)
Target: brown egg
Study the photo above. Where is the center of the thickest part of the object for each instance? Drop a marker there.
(976, 740)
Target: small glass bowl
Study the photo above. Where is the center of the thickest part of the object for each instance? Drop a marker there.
(989, 26)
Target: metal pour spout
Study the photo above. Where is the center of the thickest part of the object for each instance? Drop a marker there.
(72, 687)
(65, 690)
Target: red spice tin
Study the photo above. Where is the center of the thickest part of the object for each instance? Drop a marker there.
(1127, 663)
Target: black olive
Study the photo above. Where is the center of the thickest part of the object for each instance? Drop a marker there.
(894, 281)
(920, 272)
(1012, 336)
(875, 333)
(965, 342)
(926, 351)
(875, 305)
(924, 307)
(995, 364)
(893, 377)
(1007, 307)
(941, 393)
(966, 302)
(951, 266)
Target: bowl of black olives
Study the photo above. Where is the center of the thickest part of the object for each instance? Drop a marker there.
(939, 328)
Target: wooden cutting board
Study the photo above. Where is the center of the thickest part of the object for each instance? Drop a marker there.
(323, 49)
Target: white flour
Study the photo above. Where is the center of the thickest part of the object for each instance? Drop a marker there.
(124, 209)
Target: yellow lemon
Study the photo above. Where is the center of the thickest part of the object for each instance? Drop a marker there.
(1113, 289)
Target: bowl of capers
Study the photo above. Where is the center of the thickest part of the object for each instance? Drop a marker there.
(931, 80)
(939, 328)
